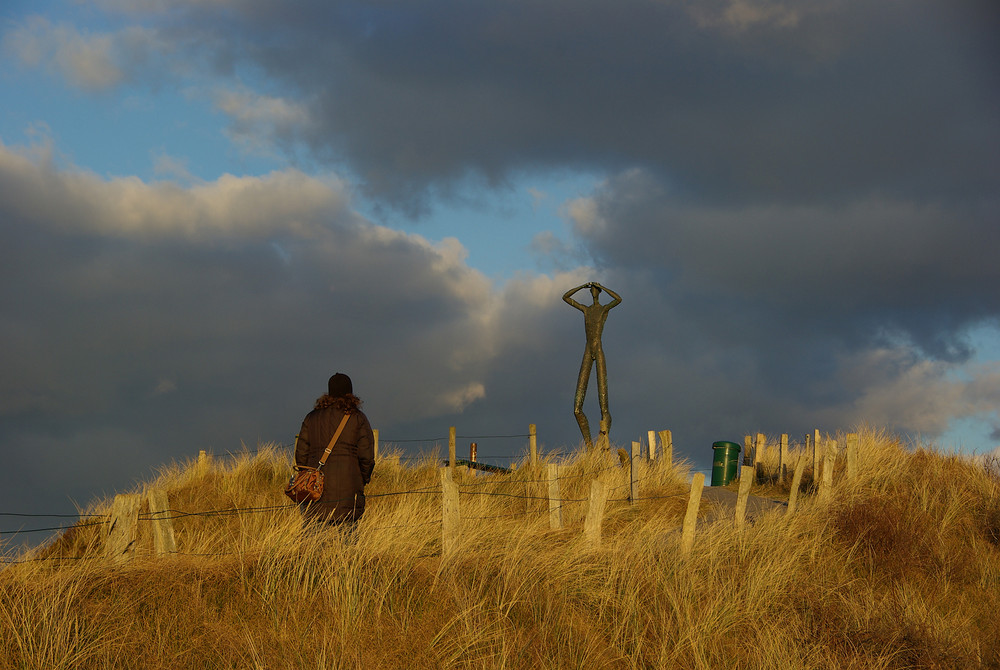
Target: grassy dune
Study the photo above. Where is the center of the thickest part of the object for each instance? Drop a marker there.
(899, 569)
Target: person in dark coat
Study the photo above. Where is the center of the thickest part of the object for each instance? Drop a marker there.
(350, 464)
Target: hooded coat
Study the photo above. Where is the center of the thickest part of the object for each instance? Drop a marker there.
(349, 466)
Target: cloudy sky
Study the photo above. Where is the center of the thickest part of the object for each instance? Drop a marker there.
(209, 206)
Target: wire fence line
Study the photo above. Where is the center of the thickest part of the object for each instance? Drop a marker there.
(176, 514)
(435, 522)
(172, 514)
(491, 479)
(50, 516)
(52, 528)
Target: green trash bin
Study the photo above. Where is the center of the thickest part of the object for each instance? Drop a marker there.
(725, 459)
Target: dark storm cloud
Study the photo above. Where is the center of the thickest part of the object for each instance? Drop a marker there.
(863, 269)
(143, 322)
(739, 101)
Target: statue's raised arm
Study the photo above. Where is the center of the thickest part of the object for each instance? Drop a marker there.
(567, 296)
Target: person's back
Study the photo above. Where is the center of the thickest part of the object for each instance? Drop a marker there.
(350, 463)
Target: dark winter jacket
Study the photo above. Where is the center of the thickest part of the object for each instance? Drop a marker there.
(349, 466)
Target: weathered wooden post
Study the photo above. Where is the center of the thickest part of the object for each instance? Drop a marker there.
(164, 541)
(800, 466)
(852, 456)
(204, 462)
(691, 516)
(747, 450)
(826, 485)
(758, 454)
(375, 433)
(783, 459)
(595, 513)
(807, 450)
(746, 480)
(667, 446)
(555, 499)
(633, 490)
(450, 515)
(123, 527)
(451, 451)
(651, 437)
(533, 444)
(816, 454)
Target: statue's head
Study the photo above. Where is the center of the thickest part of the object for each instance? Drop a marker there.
(595, 291)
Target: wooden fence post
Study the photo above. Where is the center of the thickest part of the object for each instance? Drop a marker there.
(800, 466)
(747, 479)
(555, 499)
(164, 541)
(852, 456)
(691, 516)
(375, 433)
(747, 450)
(450, 515)
(758, 454)
(807, 450)
(204, 462)
(123, 527)
(633, 489)
(783, 459)
(533, 444)
(595, 513)
(451, 451)
(830, 454)
(651, 437)
(816, 454)
(667, 446)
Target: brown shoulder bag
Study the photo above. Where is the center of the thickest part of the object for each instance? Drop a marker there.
(306, 485)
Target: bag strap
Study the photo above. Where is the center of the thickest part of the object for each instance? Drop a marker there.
(333, 440)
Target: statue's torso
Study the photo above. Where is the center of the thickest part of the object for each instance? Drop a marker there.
(594, 318)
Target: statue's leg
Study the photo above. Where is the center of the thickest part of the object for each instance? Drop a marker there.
(602, 393)
(581, 392)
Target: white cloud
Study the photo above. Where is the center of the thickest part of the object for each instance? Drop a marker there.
(94, 62)
(285, 201)
(458, 399)
(259, 120)
(86, 61)
(585, 217)
(895, 387)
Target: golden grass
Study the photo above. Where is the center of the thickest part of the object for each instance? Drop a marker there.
(899, 569)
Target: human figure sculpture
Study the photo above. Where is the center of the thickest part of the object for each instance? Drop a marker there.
(594, 317)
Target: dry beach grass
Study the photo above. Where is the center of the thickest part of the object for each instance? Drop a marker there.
(900, 568)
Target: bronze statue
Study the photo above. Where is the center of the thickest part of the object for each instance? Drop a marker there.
(594, 317)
